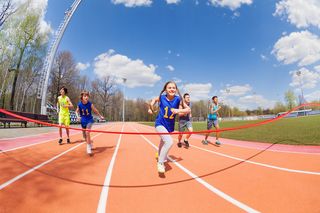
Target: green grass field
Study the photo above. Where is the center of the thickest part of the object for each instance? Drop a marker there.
(301, 130)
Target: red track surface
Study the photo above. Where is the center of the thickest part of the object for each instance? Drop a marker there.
(235, 177)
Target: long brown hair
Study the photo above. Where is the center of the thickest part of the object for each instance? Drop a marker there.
(178, 91)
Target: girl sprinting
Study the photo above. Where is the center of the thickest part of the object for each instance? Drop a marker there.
(63, 106)
(169, 101)
(84, 108)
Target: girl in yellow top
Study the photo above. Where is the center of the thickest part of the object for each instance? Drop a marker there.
(63, 106)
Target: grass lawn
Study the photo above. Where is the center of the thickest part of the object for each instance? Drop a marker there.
(301, 130)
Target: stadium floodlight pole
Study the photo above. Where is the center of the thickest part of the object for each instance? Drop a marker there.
(124, 97)
(44, 78)
(228, 92)
(299, 74)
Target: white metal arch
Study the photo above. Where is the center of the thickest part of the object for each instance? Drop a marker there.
(44, 78)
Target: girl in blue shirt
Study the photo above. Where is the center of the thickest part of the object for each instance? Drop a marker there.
(169, 101)
(85, 108)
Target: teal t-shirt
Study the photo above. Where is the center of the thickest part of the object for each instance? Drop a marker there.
(213, 116)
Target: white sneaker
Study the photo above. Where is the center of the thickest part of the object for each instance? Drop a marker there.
(161, 168)
(89, 152)
(91, 146)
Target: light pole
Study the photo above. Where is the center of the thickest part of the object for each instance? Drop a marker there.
(299, 74)
(123, 101)
(228, 91)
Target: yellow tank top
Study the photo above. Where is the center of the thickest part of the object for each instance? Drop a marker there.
(62, 102)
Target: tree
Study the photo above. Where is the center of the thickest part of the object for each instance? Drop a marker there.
(6, 10)
(290, 99)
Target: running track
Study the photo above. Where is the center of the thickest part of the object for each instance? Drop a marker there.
(122, 176)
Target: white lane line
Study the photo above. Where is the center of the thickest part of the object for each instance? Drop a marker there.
(36, 143)
(105, 189)
(40, 165)
(206, 184)
(259, 164)
(249, 147)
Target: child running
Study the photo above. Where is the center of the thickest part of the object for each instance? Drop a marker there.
(84, 108)
(63, 106)
(185, 122)
(169, 101)
(213, 119)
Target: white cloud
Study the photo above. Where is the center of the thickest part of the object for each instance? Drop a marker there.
(133, 3)
(301, 47)
(80, 66)
(308, 79)
(135, 71)
(236, 90)
(177, 80)
(263, 57)
(169, 51)
(317, 68)
(38, 7)
(301, 13)
(256, 101)
(170, 68)
(173, 1)
(232, 4)
(253, 49)
(198, 91)
(314, 96)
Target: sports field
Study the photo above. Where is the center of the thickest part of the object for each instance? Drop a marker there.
(296, 131)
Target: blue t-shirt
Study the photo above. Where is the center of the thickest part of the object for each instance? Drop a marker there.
(85, 112)
(213, 116)
(165, 117)
(187, 116)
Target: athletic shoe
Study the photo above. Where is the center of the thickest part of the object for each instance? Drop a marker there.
(60, 141)
(89, 152)
(68, 140)
(218, 143)
(179, 144)
(205, 142)
(187, 143)
(161, 168)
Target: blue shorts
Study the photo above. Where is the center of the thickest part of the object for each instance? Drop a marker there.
(86, 124)
(211, 123)
(183, 124)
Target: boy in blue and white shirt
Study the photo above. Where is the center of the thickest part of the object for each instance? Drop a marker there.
(213, 119)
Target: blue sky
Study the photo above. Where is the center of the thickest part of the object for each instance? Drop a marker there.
(245, 51)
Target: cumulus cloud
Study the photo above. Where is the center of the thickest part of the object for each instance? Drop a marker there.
(301, 13)
(34, 6)
(173, 1)
(133, 3)
(256, 101)
(232, 4)
(298, 47)
(120, 66)
(263, 57)
(304, 77)
(170, 68)
(314, 96)
(80, 66)
(237, 90)
(198, 91)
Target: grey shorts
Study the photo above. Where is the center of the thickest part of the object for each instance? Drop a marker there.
(183, 124)
(211, 123)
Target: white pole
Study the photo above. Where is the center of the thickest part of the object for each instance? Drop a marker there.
(124, 97)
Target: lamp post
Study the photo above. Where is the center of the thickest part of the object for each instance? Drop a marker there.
(299, 74)
(228, 91)
(123, 101)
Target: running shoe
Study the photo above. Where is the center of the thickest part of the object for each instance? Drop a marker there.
(89, 152)
(187, 143)
(205, 142)
(68, 140)
(179, 144)
(161, 168)
(218, 142)
(60, 141)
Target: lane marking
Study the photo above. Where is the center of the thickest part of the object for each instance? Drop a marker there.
(206, 184)
(246, 146)
(256, 163)
(18, 177)
(36, 143)
(102, 205)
